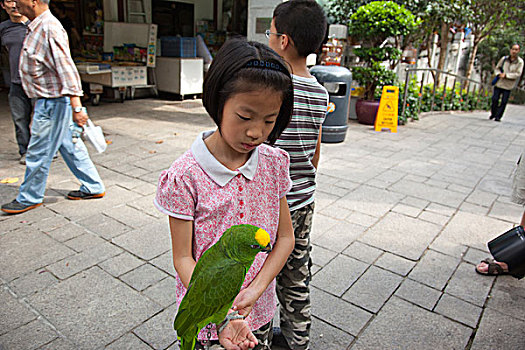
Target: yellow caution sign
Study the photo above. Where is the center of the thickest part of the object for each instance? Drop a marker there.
(387, 113)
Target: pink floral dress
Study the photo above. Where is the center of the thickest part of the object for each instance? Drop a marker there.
(197, 187)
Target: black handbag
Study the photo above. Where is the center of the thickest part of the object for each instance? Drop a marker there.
(496, 78)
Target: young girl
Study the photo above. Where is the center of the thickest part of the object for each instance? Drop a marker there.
(230, 176)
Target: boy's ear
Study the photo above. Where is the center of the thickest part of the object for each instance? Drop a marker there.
(285, 41)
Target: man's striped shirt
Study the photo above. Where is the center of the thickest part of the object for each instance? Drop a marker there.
(300, 138)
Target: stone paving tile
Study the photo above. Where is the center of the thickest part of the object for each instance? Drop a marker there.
(401, 235)
(338, 313)
(369, 200)
(473, 209)
(406, 210)
(402, 325)
(339, 274)
(459, 310)
(322, 200)
(476, 230)
(363, 252)
(165, 263)
(321, 256)
(147, 242)
(158, 331)
(415, 202)
(395, 263)
(325, 336)
(145, 188)
(163, 292)
(13, 314)
(373, 289)
(336, 212)
(83, 242)
(128, 342)
(143, 276)
(467, 285)
(437, 183)
(19, 256)
(499, 331)
(105, 226)
(459, 188)
(145, 205)
(481, 198)
(120, 264)
(67, 232)
(423, 191)
(334, 190)
(92, 308)
(320, 224)
(434, 269)
(440, 209)
(474, 256)
(361, 219)
(59, 344)
(30, 336)
(84, 260)
(339, 236)
(127, 215)
(51, 223)
(418, 294)
(32, 282)
(434, 218)
(506, 211)
(417, 167)
(508, 297)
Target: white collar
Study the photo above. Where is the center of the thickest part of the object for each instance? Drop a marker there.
(218, 172)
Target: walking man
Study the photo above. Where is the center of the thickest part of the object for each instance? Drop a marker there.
(12, 34)
(49, 75)
(509, 69)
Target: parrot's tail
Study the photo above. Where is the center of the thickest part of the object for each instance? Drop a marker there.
(187, 343)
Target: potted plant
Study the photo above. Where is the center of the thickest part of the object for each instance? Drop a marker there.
(379, 25)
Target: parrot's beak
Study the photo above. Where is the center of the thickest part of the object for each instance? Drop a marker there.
(268, 248)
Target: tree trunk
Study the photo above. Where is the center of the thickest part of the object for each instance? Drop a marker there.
(471, 60)
(443, 40)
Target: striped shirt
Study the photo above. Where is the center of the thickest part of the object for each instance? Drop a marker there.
(300, 138)
(46, 67)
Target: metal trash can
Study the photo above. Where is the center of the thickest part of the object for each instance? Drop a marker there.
(337, 81)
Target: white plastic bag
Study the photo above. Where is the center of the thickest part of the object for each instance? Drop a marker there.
(95, 135)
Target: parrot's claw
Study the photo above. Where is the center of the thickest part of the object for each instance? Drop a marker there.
(233, 316)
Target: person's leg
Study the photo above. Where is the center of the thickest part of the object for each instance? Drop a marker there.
(77, 157)
(495, 102)
(503, 104)
(21, 110)
(293, 283)
(46, 132)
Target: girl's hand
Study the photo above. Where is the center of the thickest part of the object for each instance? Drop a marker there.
(245, 300)
(237, 336)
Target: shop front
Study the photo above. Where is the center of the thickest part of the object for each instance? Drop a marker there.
(121, 46)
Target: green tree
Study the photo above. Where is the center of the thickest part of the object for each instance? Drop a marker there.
(376, 24)
(485, 16)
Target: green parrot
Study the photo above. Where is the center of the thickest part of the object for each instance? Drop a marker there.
(217, 280)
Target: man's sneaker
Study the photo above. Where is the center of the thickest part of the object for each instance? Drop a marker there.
(491, 117)
(22, 159)
(16, 208)
(75, 195)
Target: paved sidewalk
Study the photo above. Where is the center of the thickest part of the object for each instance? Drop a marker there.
(400, 221)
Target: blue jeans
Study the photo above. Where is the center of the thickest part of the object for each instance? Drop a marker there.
(51, 131)
(21, 109)
(498, 108)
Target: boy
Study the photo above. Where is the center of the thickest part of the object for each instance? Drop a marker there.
(298, 29)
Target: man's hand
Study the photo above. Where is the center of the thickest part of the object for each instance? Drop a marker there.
(244, 301)
(502, 75)
(237, 336)
(80, 118)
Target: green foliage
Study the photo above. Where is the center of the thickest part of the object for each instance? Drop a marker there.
(445, 99)
(374, 23)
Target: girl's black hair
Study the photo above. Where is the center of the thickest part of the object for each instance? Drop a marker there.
(245, 66)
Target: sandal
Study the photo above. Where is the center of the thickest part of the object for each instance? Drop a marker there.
(494, 269)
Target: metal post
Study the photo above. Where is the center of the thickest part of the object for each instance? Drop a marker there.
(405, 93)
(444, 94)
(434, 92)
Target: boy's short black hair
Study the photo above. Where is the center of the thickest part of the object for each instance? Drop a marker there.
(304, 22)
(236, 69)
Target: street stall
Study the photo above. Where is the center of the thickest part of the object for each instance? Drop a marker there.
(129, 50)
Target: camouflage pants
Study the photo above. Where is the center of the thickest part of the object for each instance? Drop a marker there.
(263, 335)
(292, 283)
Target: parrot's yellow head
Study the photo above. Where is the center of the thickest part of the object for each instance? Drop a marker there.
(262, 237)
